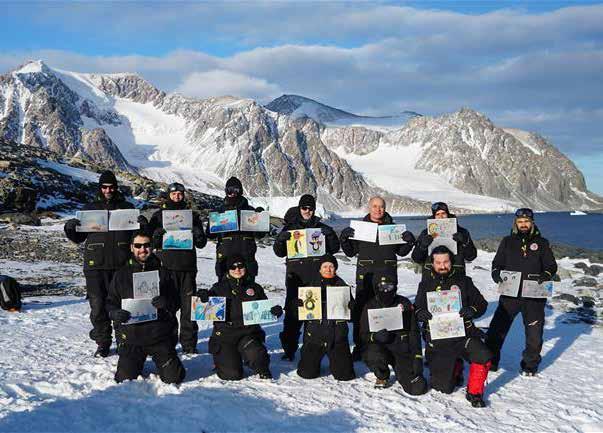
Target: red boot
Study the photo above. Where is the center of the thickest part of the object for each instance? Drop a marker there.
(476, 383)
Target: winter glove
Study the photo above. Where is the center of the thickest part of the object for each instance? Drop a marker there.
(277, 311)
(406, 304)
(383, 337)
(284, 236)
(347, 233)
(460, 237)
(203, 295)
(496, 276)
(142, 220)
(70, 225)
(159, 302)
(259, 209)
(326, 231)
(158, 238)
(300, 302)
(119, 316)
(544, 276)
(425, 241)
(467, 313)
(417, 366)
(423, 315)
(408, 237)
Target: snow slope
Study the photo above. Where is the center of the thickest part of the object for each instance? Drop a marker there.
(49, 381)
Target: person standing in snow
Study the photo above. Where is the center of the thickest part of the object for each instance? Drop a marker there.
(525, 251)
(239, 242)
(181, 264)
(445, 370)
(326, 336)
(104, 253)
(372, 258)
(233, 343)
(299, 271)
(466, 250)
(401, 348)
(155, 338)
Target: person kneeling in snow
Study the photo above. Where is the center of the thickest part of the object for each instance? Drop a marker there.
(156, 338)
(326, 336)
(232, 342)
(400, 348)
(444, 353)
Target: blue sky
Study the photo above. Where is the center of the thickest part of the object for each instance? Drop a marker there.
(530, 65)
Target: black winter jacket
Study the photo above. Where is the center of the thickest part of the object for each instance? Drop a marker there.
(105, 250)
(178, 260)
(146, 333)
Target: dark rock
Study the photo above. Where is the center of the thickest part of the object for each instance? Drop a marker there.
(593, 270)
(567, 297)
(581, 265)
(20, 218)
(586, 282)
(588, 301)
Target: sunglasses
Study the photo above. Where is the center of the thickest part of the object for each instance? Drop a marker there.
(439, 205)
(107, 187)
(524, 212)
(237, 266)
(386, 287)
(176, 187)
(306, 208)
(233, 190)
(144, 245)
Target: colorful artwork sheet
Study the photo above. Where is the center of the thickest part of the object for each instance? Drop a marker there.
(124, 219)
(385, 318)
(252, 221)
(312, 303)
(145, 284)
(306, 243)
(214, 310)
(177, 240)
(391, 234)
(442, 230)
(258, 312)
(531, 289)
(141, 310)
(92, 221)
(364, 231)
(177, 219)
(511, 281)
(444, 301)
(449, 325)
(223, 222)
(338, 298)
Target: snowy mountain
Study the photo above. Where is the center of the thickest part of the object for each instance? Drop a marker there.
(300, 106)
(291, 147)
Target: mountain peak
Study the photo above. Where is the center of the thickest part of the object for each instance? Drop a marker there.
(32, 67)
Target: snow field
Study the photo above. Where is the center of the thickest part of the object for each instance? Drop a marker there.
(50, 382)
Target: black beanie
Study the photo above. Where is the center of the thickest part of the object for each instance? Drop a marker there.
(381, 278)
(235, 258)
(328, 258)
(439, 206)
(107, 177)
(234, 182)
(307, 200)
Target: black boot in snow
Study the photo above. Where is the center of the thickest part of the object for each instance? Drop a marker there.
(476, 400)
(102, 350)
(266, 375)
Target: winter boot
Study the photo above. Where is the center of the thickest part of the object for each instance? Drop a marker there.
(266, 375)
(380, 383)
(476, 383)
(102, 350)
(528, 371)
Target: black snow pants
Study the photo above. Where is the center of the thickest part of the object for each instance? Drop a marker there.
(409, 371)
(233, 347)
(187, 287)
(132, 358)
(97, 285)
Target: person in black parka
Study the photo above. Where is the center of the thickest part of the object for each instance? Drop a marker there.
(372, 258)
(300, 271)
(444, 353)
(466, 250)
(241, 243)
(181, 264)
(156, 338)
(232, 343)
(326, 336)
(525, 251)
(104, 253)
(400, 348)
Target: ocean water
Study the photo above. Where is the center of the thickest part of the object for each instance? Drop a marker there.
(584, 231)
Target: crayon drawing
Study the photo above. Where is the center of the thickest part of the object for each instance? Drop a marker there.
(338, 299)
(214, 310)
(297, 247)
(385, 318)
(92, 221)
(449, 325)
(391, 234)
(124, 219)
(531, 289)
(141, 310)
(145, 284)
(312, 305)
(444, 301)
(223, 222)
(315, 243)
(177, 240)
(177, 219)
(258, 312)
(510, 283)
(252, 221)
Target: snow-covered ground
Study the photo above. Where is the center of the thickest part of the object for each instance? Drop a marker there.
(50, 382)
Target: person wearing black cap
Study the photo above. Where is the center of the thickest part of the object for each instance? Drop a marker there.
(372, 258)
(525, 251)
(232, 342)
(326, 336)
(445, 353)
(466, 250)
(180, 264)
(104, 253)
(399, 348)
(238, 242)
(156, 338)
(300, 271)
